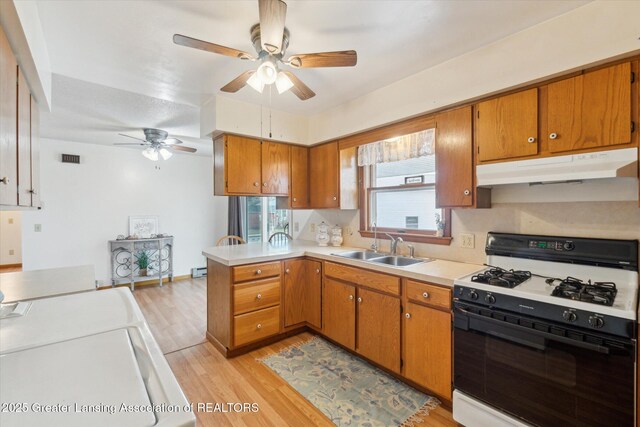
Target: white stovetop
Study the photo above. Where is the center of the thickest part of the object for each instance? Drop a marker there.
(85, 336)
(436, 271)
(624, 305)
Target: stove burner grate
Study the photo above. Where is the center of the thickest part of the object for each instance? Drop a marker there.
(497, 276)
(603, 293)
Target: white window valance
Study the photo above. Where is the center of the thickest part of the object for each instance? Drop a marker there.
(419, 144)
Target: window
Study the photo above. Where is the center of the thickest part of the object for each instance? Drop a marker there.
(401, 199)
(263, 218)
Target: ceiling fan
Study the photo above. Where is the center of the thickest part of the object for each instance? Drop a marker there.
(158, 144)
(271, 38)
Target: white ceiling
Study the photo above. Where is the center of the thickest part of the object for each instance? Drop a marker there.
(103, 53)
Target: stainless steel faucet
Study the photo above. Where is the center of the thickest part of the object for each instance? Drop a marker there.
(394, 243)
(374, 245)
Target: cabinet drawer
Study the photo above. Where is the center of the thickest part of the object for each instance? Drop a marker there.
(428, 294)
(256, 325)
(256, 271)
(252, 296)
(378, 281)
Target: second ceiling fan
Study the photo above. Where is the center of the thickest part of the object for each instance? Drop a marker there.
(270, 38)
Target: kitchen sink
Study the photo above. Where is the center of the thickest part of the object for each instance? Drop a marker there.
(362, 255)
(397, 261)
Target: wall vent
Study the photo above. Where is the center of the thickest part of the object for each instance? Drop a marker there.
(71, 158)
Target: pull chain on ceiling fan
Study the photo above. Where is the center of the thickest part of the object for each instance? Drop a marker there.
(270, 38)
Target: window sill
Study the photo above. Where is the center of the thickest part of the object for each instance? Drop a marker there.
(407, 237)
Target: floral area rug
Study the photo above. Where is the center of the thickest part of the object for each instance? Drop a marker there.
(347, 389)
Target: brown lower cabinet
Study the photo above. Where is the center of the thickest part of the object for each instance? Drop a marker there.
(302, 292)
(339, 312)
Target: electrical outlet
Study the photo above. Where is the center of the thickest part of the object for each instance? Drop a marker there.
(348, 230)
(312, 227)
(10, 220)
(296, 226)
(11, 252)
(468, 241)
(37, 228)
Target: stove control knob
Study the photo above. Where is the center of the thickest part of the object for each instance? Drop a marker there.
(569, 246)
(490, 299)
(596, 322)
(569, 316)
(473, 295)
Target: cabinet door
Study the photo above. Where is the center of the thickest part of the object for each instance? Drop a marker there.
(313, 295)
(35, 154)
(454, 154)
(590, 110)
(324, 176)
(299, 177)
(379, 328)
(275, 168)
(507, 126)
(339, 312)
(24, 142)
(242, 164)
(8, 121)
(295, 286)
(427, 348)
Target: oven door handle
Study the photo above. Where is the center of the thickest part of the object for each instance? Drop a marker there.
(588, 346)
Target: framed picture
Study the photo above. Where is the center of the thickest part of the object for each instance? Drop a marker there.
(143, 226)
(414, 179)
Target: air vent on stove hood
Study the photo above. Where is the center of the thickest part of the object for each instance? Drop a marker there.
(574, 167)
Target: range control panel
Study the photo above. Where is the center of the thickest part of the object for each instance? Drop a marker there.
(553, 245)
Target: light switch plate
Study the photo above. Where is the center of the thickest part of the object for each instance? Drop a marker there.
(296, 226)
(312, 227)
(10, 220)
(37, 228)
(468, 240)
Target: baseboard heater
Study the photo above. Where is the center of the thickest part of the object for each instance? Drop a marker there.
(198, 272)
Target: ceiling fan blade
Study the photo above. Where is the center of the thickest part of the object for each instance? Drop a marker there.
(133, 137)
(273, 14)
(299, 89)
(172, 141)
(344, 58)
(210, 47)
(181, 148)
(130, 143)
(238, 83)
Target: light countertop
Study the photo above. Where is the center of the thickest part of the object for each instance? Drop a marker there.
(438, 271)
(27, 285)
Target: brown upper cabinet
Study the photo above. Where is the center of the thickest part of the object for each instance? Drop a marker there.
(247, 166)
(590, 110)
(507, 126)
(299, 177)
(333, 182)
(454, 154)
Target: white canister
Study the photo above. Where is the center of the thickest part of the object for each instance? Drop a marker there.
(336, 236)
(322, 235)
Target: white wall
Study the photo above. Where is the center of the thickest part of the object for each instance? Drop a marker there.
(86, 205)
(10, 237)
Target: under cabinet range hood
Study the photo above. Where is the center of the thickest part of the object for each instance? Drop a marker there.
(569, 168)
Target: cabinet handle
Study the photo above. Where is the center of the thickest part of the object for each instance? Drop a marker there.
(553, 135)
(258, 271)
(467, 192)
(359, 299)
(425, 294)
(350, 297)
(259, 296)
(258, 326)
(295, 199)
(317, 271)
(335, 198)
(407, 315)
(287, 271)
(256, 184)
(4, 180)
(264, 184)
(531, 140)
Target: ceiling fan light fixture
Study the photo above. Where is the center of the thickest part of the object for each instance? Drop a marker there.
(283, 83)
(256, 82)
(267, 72)
(150, 154)
(166, 154)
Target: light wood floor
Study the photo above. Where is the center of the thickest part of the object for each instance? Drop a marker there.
(176, 314)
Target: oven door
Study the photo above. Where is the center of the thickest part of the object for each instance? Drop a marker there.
(542, 373)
